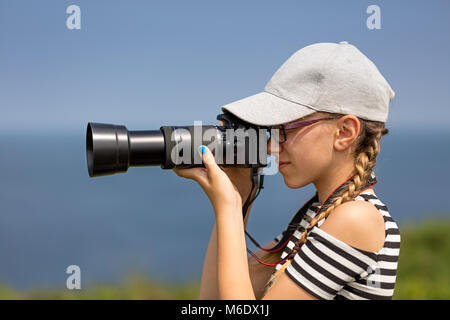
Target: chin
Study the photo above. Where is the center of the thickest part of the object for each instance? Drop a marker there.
(294, 182)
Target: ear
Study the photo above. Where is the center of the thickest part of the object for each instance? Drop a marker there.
(347, 131)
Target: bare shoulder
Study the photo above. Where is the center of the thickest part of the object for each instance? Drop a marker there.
(357, 223)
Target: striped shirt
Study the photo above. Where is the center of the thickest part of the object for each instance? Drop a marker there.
(329, 269)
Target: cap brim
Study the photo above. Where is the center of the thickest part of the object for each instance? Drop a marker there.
(266, 109)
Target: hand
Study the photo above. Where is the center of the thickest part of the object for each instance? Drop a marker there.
(214, 181)
(240, 177)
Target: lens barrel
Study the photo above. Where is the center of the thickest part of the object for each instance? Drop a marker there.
(113, 149)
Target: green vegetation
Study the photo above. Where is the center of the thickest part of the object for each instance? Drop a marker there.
(423, 273)
(424, 264)
(136, 287)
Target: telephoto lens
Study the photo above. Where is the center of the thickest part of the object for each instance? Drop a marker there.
(113, 149)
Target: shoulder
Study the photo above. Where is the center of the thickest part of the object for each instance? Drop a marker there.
(357, 223)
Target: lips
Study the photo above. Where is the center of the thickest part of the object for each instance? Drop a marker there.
(282, 164)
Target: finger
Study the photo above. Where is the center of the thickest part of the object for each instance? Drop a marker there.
(198, 174)
(209, 161)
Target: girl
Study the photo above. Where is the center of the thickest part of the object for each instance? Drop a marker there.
(329, 103)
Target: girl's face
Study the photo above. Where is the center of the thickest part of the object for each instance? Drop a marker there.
(308, 152)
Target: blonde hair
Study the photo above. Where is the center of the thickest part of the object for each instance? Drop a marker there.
(366, 150)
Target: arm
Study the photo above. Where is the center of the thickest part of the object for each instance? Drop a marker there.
(249, 285)
(208, 285)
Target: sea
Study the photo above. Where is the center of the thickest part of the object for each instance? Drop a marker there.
(151, 222)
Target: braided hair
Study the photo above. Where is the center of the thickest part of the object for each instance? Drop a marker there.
(366, 151)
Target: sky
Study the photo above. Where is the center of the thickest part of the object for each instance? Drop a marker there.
(144, 64)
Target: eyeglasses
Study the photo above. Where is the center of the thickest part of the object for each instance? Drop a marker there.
(280, 138)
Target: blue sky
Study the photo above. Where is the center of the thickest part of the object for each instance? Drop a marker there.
(150, 63)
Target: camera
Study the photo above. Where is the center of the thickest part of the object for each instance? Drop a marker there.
(113, 149)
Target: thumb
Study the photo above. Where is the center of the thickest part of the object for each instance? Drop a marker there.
(208, 160)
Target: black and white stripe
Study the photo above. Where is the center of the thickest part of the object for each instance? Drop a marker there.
(329, 268)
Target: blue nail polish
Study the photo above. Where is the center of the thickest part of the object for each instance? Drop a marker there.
(202, 149)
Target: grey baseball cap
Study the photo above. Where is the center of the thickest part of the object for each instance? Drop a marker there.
(328, 77)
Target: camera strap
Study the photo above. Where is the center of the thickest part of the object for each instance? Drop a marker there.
(254, 179)
(259, 183)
